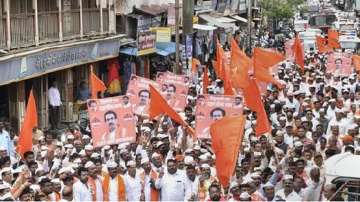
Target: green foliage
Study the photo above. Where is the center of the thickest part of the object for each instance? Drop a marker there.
(280, 9)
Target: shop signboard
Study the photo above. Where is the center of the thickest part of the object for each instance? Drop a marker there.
(146, 42)
(163, 34)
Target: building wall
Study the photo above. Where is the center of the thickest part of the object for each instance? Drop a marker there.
(126, 6)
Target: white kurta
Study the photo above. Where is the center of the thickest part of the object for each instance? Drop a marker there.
(133, 188)
(172, 187)
(81, 192)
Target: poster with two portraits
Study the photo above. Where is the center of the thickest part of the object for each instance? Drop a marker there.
(113, 120)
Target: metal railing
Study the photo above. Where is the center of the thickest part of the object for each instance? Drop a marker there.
(3, 32)
(71, 24)
(91, 21)
(22, 30)
(48, 26)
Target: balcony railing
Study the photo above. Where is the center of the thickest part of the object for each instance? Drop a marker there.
(48, 26)
(3, 33)
(23, 26)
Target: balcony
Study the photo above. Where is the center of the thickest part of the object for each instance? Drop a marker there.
(27, 23)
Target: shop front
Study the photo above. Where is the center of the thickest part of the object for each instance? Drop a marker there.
(67, 64)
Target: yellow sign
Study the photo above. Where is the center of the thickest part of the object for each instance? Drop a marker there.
(163, 34)
(195, 19)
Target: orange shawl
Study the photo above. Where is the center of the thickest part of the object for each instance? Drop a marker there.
(92, 185)
(121, 188)
(154, 194)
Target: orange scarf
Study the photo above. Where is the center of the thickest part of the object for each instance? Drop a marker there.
(57, 196)
(92, 186)
(154, 193)
(121, 188)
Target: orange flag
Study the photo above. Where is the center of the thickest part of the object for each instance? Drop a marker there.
(219, 60)
(263, 59)
(227, 84)
(321, 45)
(113, 77)
(96, 85)
(226, 138)
(299, 53)
(333, 38)
(194, 65)
(158, 105)
(253, 101)
(30, 121)
(356, 62)
(205, 80)
(239, 66)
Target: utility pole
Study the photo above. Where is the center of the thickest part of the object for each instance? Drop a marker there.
(249, 22)
(177, 37)
(187, 13)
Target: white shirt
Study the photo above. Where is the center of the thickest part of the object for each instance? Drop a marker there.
(293, 196)
(172, 187)
(133, 187)
(99, 191)
(81, 192)
(113, 189)
(191, 187)
(54, 97)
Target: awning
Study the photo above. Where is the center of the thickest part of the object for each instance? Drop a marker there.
(225, 19)
(241, 19)
(165, 48)
(134, 51)
(204, 27)
(213, 21)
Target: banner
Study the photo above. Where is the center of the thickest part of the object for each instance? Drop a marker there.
(112, 120)
(210, 108)
(339, 64)
(173, 93)
(146, 42)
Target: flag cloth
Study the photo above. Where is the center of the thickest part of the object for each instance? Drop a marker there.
(333, 39)
(228, 90)
(239, 67)
(205, 80)
(194, 65)
(321, 45)
(96, 85)
(114, 86)
(253, 101)
(299, 53)
(158, 106)
(356, 62)
(219, 60)
(263, 59)
(226, 138)
(30, 121)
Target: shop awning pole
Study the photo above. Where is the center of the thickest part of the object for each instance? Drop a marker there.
(177, 38)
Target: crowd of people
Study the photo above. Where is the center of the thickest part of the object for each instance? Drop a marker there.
(315, 116)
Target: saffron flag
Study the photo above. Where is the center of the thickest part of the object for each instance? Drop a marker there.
(299, 53)
(333, 39)
(194, 65)
(205, 80)
(239, 67)
(356, 62)
(30, 121)
(96, 85)
(253, 101)
(226, 137)
(114, 86)
(219, 60)
(321, 45)
(263, 59)
(158, 106)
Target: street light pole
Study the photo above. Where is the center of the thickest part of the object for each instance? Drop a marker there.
(249, 22)
(177, 38)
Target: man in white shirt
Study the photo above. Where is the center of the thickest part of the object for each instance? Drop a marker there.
(81, 189)
(5, 140)
(287, 193)
(191, 183)
(134, 191)
(54, 105)
(172, 184)
(95, 181)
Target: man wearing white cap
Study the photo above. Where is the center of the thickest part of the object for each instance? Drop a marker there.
(287, 193)
(82, 191)
(192, 183)
(148, 178)
(134, 191)
(113, 184)
(95, 181)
